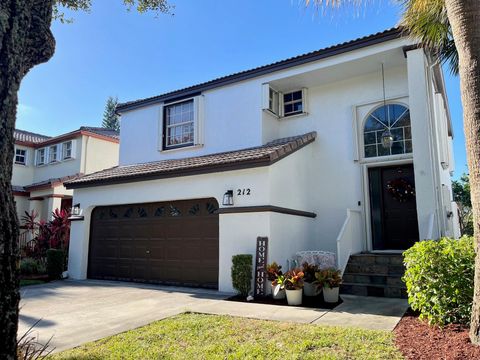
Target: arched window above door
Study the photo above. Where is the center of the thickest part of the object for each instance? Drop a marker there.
(392, 123)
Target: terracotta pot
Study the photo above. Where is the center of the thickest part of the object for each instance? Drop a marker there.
(330, 295)
(294, 297)
(280, 295)
(310, 289)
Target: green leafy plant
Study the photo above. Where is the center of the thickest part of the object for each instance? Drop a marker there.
(242, 273)
(55, 263)
(29, 266)
(439, 278)
(328, 278)
(273, 271)
(291, 280)
(309, 270)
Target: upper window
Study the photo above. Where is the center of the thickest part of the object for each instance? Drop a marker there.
(41, 153)
(67, 150)
(178, 125)
(273, 101)
(293, 103)
(21, 156)
(52, 154)
(387, 131)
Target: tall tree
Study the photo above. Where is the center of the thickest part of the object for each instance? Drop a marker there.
(461, 194)
(111, 120)
(25, 41)
(451, 27)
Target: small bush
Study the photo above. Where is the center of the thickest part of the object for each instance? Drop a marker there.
(29, 266)
(55, 263)
(439, 278)
(242, 273)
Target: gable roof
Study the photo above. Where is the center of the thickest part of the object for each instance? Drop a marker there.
(232, 160)
(389, 34)
(36, 140)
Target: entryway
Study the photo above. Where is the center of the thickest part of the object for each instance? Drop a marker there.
(174, 243)
(393, 208)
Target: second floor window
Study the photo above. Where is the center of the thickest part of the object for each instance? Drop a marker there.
(53, 154)
(293, 103)
(41, 156)
(178, 125)
(21, 156)
(67, 150)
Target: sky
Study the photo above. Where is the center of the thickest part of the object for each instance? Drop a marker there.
(111, 51)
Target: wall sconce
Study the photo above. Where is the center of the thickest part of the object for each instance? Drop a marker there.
(76, 210)
(387, 139)
(228, 198)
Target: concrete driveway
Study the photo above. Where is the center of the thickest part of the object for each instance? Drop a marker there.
(75, 312)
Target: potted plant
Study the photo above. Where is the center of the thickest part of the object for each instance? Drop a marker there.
(310, 287)
(292, 282)
(329, 280)
(274, 271)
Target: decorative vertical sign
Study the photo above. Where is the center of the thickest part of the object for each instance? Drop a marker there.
(261, 266)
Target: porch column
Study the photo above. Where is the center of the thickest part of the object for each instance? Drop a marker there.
(423, 155)
(36, 203)
(54, 202)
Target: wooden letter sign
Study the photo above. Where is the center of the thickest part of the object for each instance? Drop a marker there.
(261, 266)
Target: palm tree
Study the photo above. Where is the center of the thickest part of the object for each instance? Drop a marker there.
(450, 29)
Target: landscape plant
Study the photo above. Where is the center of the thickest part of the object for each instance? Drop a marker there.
(55, 263)
(328, 278)
(439, 278)
(242, 270)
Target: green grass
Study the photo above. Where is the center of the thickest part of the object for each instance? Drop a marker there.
(196, 336)
(26, 282)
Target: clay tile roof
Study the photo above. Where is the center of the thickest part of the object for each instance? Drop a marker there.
(232, 160)
(50, 182)
(101, 131)
(29, 137)
(389, 34)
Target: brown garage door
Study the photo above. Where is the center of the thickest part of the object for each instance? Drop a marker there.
(170, 242)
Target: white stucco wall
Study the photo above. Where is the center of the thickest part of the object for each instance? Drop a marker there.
(23, 174)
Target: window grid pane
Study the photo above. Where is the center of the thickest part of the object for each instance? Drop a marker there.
(292, 103)
(179, 124)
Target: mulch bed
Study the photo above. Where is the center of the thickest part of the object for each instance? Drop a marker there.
(417, 340)
(315, 302)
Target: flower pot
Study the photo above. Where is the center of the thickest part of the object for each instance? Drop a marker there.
(294, 297)
(330, 295)
(310, 289)
(280, 295)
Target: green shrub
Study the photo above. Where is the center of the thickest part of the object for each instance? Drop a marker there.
(55, 263)
(242, 273)
(29, 266)
(439, 278)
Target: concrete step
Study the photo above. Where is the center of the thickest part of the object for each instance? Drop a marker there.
(364, 289)
(374, 279)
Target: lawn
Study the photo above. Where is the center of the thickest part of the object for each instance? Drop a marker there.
(197, 336)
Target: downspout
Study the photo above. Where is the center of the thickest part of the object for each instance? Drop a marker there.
(85, 155)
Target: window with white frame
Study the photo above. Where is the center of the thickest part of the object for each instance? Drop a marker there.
(274, 101)
(179, 124)
(53, 154)
(393, 122)
(41, 154)
(67, 150)
(21, 156)
(293, 103)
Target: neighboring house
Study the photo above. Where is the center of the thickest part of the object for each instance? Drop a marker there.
(313, 152)
(42, 163)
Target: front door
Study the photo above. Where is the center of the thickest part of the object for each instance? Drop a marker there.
(393, 207)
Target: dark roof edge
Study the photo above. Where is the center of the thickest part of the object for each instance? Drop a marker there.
(374, 39)
(266, 160)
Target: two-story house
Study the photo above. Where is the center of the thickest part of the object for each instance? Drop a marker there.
(345, 149)
(42, 164)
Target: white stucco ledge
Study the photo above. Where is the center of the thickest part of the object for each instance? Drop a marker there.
(266, 208)
(76, 218)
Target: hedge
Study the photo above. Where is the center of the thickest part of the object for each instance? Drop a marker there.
(242, 269)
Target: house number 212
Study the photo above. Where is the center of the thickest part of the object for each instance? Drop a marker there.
(243, 191)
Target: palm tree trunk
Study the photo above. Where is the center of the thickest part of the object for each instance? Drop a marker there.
(464, 18)
(25, 41)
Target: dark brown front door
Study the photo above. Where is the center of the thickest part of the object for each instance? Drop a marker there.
(393, 207)
(169, 242)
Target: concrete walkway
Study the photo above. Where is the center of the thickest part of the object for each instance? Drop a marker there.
(75, 312)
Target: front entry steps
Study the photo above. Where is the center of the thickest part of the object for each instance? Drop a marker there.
(369, 274)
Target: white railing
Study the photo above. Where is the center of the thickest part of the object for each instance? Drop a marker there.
(431, 224)
(351, 238)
